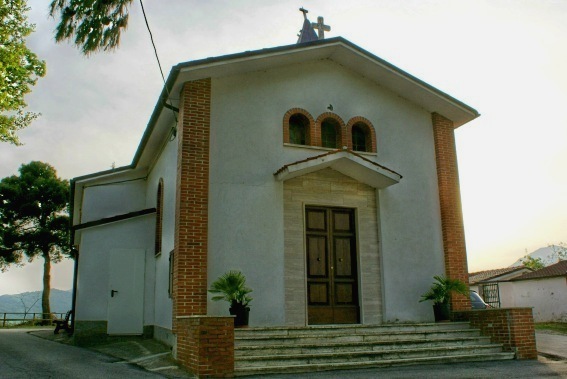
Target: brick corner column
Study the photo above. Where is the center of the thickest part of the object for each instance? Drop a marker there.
(191, 203)
(205, 345)
(450, 202)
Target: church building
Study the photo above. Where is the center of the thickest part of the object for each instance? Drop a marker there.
(323, 173)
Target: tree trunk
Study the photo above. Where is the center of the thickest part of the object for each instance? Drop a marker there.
(45, 307)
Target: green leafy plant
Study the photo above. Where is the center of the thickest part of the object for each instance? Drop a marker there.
(442, 288)
(19, 69)
(231, 287)
(533, 263)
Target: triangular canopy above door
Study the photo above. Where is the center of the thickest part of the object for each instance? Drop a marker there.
(346, 162)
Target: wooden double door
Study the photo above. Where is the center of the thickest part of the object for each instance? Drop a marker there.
(332, 274)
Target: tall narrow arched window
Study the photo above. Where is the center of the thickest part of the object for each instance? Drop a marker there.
(360, 137)
(330, 133)
(298, 129)
(159, 217)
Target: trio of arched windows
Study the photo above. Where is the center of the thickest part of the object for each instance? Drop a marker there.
(328, 131)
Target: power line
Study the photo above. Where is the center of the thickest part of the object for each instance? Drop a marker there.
(174, 130)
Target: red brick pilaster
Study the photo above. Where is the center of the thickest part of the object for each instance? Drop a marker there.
(205, 345)
(512, 327)
(191, 210)
(450, 201)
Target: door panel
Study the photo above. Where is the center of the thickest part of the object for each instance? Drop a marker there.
(342, 221)
(317, 256)
(318, 293)
(331, 266)
(316, 220)
(344, 293)
(126, 291)
(343, 257)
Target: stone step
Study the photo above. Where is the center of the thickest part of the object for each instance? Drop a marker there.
(319, 330)
(362, 356)
(355, 336)
(346, 365)
(333, 347)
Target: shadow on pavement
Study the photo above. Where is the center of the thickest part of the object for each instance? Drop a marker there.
(144, 352)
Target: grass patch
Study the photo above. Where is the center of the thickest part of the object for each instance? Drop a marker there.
(560, 327)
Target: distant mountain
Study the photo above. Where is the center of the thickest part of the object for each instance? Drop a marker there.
(60, 301)
(547, 255)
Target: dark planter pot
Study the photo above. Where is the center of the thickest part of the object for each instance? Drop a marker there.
(242, 314)
(442, 312)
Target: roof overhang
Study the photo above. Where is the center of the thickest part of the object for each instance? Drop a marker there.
(346, 162)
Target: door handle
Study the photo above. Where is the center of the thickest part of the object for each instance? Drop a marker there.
(112, 292)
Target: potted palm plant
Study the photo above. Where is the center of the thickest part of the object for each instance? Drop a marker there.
(440, 293)
(231, 286)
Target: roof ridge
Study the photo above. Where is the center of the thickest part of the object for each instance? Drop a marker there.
(556, 269)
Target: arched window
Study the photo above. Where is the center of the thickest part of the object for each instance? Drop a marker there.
(159, 217)
(298, 129)
(360, 137)
(330, 132)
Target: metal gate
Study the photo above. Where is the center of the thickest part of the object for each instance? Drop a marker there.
(491, 294)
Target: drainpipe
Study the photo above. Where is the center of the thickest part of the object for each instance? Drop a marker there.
(74, 253)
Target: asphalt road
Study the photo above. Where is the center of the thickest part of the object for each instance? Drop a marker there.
(26, 356)
(552, 345)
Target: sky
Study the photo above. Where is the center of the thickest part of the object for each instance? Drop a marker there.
(505, 58)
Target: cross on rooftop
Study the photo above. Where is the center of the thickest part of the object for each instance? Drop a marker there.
(304, 11)
(320, 26)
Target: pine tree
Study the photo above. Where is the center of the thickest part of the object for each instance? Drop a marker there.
(34, 221)
(93, 24)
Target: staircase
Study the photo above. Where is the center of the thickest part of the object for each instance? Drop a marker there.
(337, 347)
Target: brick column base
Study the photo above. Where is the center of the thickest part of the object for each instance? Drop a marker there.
(205, 345)
(512, 327)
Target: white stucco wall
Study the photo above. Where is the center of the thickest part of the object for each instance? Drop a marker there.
(95, 246)
(246, 207)
(548, 297)
(107, 200)
(165, 168)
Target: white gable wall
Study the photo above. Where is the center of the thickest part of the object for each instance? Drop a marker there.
(101, 201)
(246, 203)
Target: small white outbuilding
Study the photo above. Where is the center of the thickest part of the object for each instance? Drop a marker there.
(545, 290)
